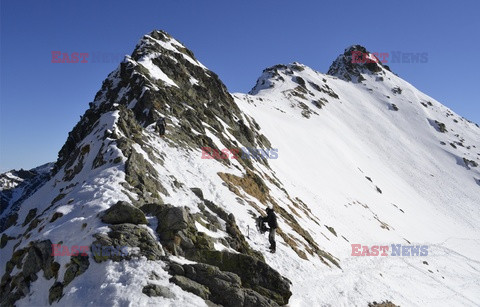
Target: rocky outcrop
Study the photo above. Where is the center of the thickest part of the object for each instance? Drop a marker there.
(175, 227)
(350, 68)
(255, 274)
(157, 290)
(191, 286)
(31, 214)
(123, 212)
(230, 279)
(219, 287)
(29, 262)
(115, 245)
(77, 266)
(55, 292)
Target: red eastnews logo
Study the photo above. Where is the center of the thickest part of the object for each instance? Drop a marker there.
(75, 57)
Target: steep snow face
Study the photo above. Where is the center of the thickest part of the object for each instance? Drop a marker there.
(380, 163)
(371, 162)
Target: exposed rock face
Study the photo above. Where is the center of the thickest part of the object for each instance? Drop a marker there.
(77, 266)
(172, 219)
(29, 261)
(255, 274)
(224, 278)
(157, 290)
(350, 65)
(191, 286)
(173, 227)
(121, 236)
(123, 212)
(220, 287)
(55, 292)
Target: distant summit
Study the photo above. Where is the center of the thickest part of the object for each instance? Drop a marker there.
(355, 61)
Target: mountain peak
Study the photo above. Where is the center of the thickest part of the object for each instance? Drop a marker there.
(277, 74)
(354, 63)
(159, 40)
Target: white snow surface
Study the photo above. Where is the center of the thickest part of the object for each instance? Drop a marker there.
(324, 160)
(154, 70)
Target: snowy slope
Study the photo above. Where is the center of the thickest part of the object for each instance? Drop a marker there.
(360, 161)
(429, 195)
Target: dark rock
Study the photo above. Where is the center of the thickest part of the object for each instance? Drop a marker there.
(254, 274)
(253, 298)
(225, 287)
(140, 174)
(55, 216)
(186, 243)
(4, 240)
(77, 266)
(55, 292)
(31, 214)
(350, 65)
(39, 257)
(126, 235)
(172, 225)
(175, 228)
(151, 209)
(123, 212)
(396, 90)
(11, 220)
(157, 290)
(237, 240)
(191, 286)
(212, 304)
(172, 218)
(176, 269)
(33, 224)
(210, 275)
(30, 260)
(198, 192)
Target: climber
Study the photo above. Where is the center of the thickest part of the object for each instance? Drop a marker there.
(161, 125)
(271, 220)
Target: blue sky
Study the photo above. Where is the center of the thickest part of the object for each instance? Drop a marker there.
(42, 101)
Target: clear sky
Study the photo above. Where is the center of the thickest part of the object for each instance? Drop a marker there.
(41, 101)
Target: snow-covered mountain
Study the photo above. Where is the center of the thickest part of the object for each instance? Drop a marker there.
(355, 156)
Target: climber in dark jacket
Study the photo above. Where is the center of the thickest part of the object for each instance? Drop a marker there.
(271, 220)
(161, 125)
